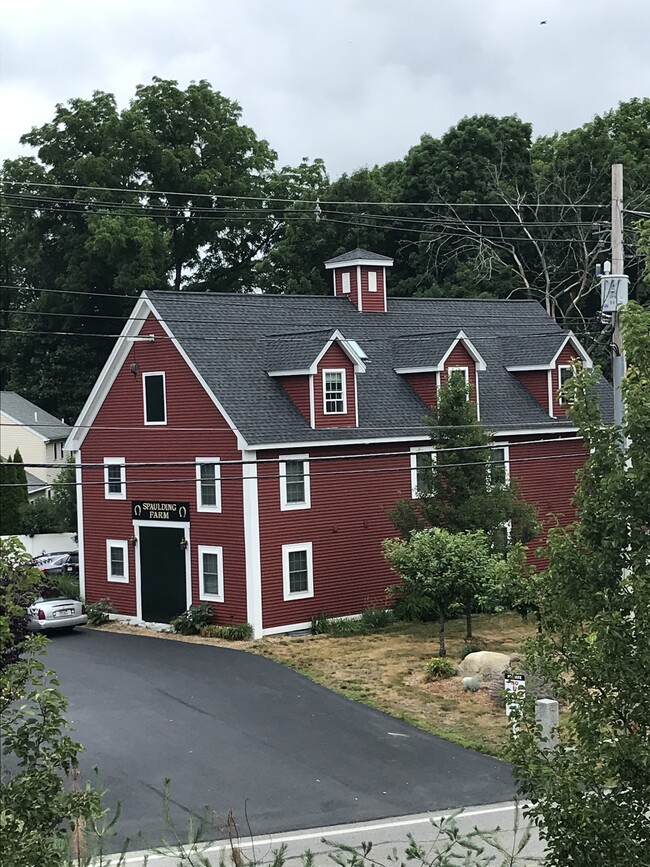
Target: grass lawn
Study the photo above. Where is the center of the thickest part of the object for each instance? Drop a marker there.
(386, 670)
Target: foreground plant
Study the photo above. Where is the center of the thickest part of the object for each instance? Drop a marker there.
(591, 795)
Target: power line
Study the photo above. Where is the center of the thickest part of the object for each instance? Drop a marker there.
(312, 459)
(296, 200)
(346, 472)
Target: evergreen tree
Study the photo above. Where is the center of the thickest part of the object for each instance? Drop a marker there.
(463, 482)
(9, 499)
(20, 479)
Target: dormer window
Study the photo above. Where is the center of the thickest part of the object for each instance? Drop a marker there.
(564, 374)
(334, 392)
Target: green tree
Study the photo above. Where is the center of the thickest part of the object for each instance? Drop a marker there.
(37, 808)
(41, 516)
(64, 497)
(94, 247)
(463, 483)
(10, 499)
(437, 569)
(591, 795)
(20, 479)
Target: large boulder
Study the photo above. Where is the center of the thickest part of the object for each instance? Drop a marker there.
(485, 663)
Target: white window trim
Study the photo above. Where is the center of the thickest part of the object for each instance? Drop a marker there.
(374, 275)
(217, 484)
(211, 549)
(415, 451)
(342, 371)
(285, 505)
(124, 545)
(108, 495)
(146, 376)
(506, 461)
(286, 550)
(346, 284)
(560, 368)
(464, 371)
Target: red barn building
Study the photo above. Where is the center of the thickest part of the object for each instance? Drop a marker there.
(244, 450)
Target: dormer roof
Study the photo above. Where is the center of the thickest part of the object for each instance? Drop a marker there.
(299, 354)
(358, 256)
(427, 353)
(541, 353)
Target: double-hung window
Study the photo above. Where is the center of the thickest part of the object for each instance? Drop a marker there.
(115, 478)
(334, 392)
(117, 560)
(294, 482)
(211, 573)
(498, 469)
(208, 485)
(459, 371)
(297, 571)
(155, 402)
(423, 463)
(564, 374)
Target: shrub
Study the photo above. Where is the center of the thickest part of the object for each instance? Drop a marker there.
(235, 632)
(68, 584)
(439, 668)
(192, 621)
(377, 618)
(470, 647)
(98, 612)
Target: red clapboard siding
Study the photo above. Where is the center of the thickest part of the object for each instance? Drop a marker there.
(118, 431)
(297, 387)
(338, 284)
(460, 357)
(346, 524)
(548, 483)
(536, 382)
(567, 355)
(373, 302)
(335, 359)
(425, 386)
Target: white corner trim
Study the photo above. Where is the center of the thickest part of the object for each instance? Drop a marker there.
(549, 385)
(290, 627)
(80, 523)
(252, 542)
(359, 290)
(312, 404)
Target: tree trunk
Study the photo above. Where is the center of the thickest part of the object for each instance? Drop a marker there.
(468, 620)
(441, 636)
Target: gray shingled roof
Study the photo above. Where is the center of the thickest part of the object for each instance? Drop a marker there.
(422, 351)
(27, 413)
(237, 369)
(358, 253)
(542, 351)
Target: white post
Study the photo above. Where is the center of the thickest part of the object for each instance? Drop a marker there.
(547, 715)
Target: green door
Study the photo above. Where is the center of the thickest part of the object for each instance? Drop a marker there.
(162, 573)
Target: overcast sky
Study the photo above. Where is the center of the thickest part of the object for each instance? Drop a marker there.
(356, 82)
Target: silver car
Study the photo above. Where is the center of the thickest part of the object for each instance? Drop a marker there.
(54, 610)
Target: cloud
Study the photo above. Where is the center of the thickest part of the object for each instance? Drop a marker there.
(354, 81)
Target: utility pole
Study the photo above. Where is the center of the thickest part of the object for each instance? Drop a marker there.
(618, 269)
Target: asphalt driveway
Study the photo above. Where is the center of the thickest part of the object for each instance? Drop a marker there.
(236, 730)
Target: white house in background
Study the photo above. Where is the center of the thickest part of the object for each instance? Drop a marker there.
(38, 435)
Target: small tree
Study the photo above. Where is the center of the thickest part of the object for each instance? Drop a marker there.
(9, 499)
(463, 485)
(438, 570)
(64, 496)
(40, 516)
(20, 480)
(591, 795)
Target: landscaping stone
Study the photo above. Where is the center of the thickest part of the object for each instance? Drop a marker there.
(484, 662)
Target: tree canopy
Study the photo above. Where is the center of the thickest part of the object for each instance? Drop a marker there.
(175, 192)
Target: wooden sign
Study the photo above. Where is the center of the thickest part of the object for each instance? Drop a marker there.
(160, 510)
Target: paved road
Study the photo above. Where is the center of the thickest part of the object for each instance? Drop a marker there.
(236, 730)
(386, 835)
